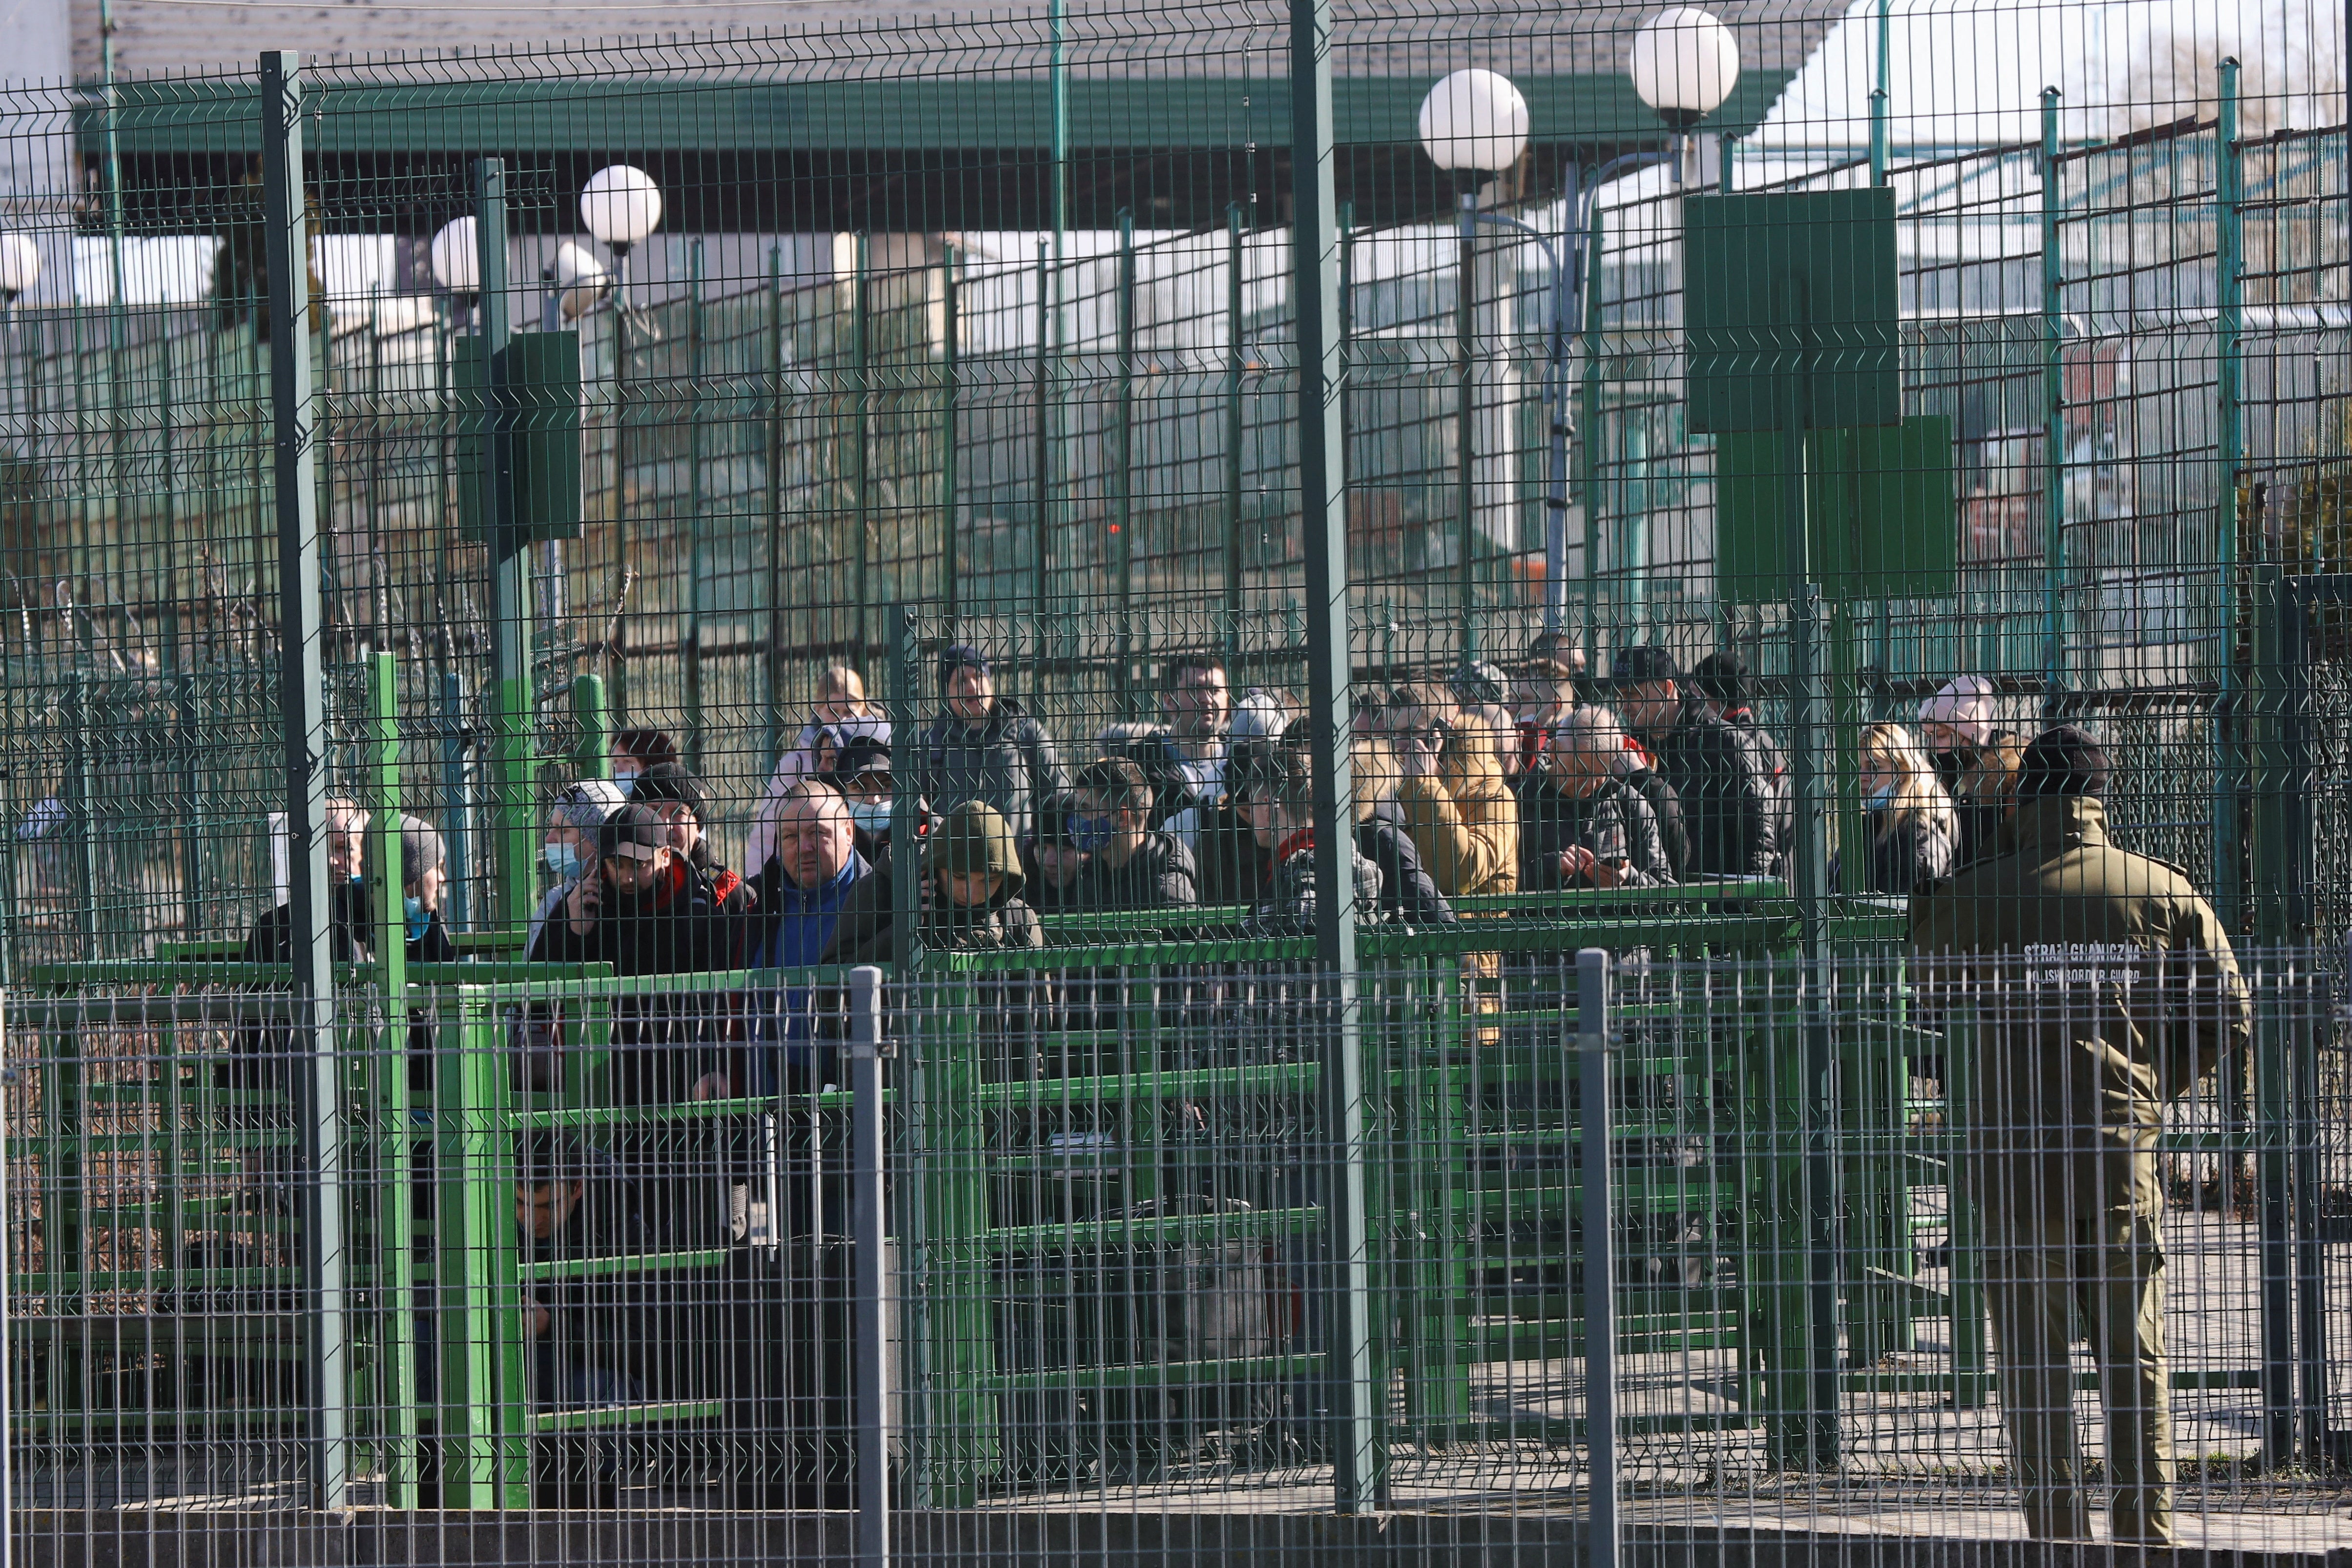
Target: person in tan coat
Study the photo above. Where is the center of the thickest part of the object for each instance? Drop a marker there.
(1458, 806)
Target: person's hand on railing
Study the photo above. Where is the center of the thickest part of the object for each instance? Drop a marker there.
(712, 1086)
(535, 1318)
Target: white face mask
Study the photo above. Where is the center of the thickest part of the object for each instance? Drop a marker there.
(627, 777)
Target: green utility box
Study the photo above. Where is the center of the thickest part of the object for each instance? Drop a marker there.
(1792, 309)
(1879, 508)
(539, 375)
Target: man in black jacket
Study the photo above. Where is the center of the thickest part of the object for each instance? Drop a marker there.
(1581, 824)
(1130, 864)
(984, 747)
(646, 911)
(1734, 806)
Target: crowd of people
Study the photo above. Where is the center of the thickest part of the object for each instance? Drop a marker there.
(1541, 780)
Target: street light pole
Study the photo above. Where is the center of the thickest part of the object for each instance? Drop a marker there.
(1566, 258)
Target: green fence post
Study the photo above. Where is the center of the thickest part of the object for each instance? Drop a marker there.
(512, 763)
(387, 1074)
(2276, 1068)
(1465, 431)
(771, 657)
(1121, 459)
(1323, 527)
(1041, 551)
(697, 554)
(2053, 417)
(481, 1411)
(592, 756)
(303, 690)
(2229, 871)
(1236, 361)
(861, 419)
(1588, 437)
(951, 392)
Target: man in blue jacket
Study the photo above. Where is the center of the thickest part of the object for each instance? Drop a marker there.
(802, 891)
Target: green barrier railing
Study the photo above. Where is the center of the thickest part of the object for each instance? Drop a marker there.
(1472, 1176)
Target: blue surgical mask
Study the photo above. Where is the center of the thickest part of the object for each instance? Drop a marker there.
(1880, 798)
(1089, 834)
(563, 859)
(420, 919)
(872, 816)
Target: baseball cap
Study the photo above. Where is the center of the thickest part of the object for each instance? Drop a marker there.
(632, 833)
(857, 760)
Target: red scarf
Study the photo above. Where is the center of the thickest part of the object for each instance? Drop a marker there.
(1303, 839)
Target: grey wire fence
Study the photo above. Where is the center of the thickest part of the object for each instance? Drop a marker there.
(1231, 718)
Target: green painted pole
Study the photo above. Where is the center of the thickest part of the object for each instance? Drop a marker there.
(513, 766)
(773, 656)
(1466, 432)
(1879, 96)
(394, 1259)
(1044, 458)
(1587, 446)
(593, 723)
(2229, 870)
(696, 557)
(302, 707)
(862, 433)
(2053, 416)
(951, 432)
(1121, 457)
(1354, 1409)
(1236, 365)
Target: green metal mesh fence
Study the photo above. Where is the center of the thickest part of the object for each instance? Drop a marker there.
(889, 453)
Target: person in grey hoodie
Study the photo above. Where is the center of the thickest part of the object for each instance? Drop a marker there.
(984, 747)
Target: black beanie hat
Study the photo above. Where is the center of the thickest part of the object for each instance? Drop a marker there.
(2062, 761)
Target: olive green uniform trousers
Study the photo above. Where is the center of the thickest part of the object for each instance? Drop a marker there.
(2046, 1274)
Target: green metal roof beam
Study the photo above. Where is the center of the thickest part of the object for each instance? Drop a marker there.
(554, 118)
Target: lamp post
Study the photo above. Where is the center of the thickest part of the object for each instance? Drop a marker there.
(1476, 122)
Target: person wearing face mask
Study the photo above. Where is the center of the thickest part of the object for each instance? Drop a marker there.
(840, 718)
(569, 850)
(634, 751)
(1914, 831)
(1955, 722)
(1053, 864)
(861, 771)
(1131, 866)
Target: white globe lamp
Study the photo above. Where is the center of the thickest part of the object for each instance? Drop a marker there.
(457, 257)
(1474, 122)
(621, 205)
(20, 265)
(580, 279)
(1685, 64)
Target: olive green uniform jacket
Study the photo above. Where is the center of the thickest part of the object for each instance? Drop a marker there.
(2102, 986)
